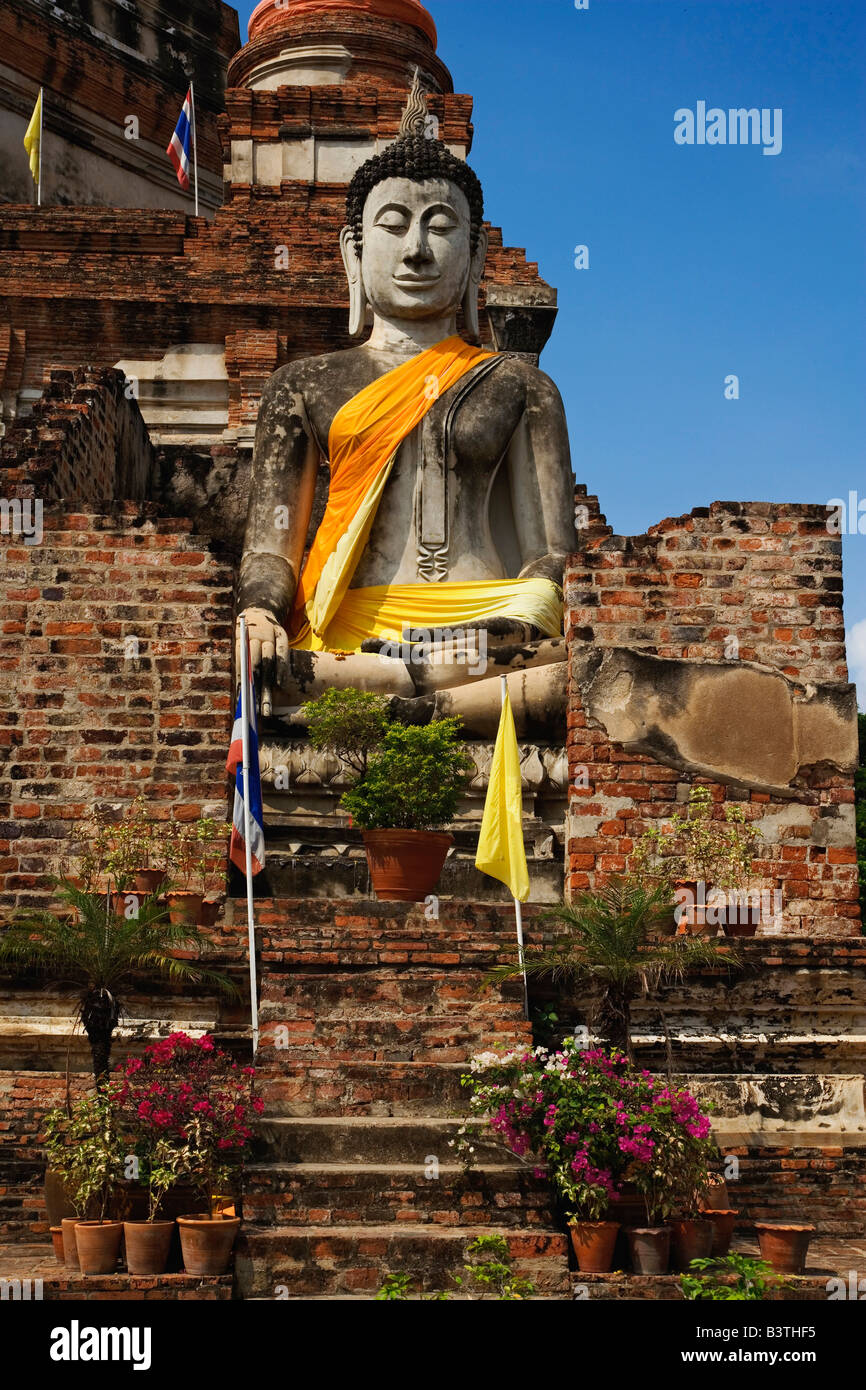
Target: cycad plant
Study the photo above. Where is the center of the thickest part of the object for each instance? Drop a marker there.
(100, 952)
(611, 941)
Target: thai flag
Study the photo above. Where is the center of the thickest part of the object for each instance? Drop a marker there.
(237, 850)
(179, 144)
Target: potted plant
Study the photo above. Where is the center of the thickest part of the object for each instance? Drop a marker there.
(609, 943)
(101, 954)
(184, 897)
(146, 849)
(698, 856)
(106, 859)
(82, 1143)
(784, 1245)
(62, 1158)
(211, 837)
(598, 1125)
(409, 779)
(151, 1116)
(201, 1103)
(723, 1220)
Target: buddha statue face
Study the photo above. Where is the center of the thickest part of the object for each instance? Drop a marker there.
(416, 254)
(416, 260)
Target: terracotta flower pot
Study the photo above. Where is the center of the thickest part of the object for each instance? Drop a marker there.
(57, 1203)
(184, 909)
(692, 915)
(206, 1242)
(405, 864)
(147, 1245)
(149, 881)
(593, 1243)
(784, 1246)
(691, 1239)
(70, 1243)
(716, 1197)
(57, 1242)
(210, 911)
(627, 1207)
(723, 1223)
(98, 1245)
(650, 1249)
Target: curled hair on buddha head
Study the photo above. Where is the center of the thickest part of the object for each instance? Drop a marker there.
(416, 157)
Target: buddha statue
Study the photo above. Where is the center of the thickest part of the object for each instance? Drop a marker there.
(438, 563)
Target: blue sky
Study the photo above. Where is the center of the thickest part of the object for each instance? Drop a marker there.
(703, 261)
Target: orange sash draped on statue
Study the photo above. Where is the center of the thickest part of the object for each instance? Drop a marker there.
(363, 441)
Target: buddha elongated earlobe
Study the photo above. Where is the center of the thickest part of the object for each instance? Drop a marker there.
(357, 297)
(473, 285)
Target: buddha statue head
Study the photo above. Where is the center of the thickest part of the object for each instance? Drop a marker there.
(414, 246)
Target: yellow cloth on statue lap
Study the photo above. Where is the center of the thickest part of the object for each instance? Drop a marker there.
(387, 611)
(362, 445)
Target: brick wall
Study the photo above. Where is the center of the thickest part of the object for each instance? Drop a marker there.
(74, 60)
(83, 441)
(768, 575)
(115, 678)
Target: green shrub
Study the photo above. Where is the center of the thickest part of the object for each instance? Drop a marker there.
(730, 1279)
(350, 723)
(414, 781)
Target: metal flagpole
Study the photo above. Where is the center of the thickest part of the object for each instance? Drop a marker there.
(41, 114)
(251, 926)
(194, 143)
(518, 910)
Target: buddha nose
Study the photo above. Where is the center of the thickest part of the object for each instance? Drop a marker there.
(417, 250)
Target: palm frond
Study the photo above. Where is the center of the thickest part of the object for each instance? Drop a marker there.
(610, 939)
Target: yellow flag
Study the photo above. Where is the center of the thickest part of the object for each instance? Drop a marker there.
(501, 852)
(33, 138)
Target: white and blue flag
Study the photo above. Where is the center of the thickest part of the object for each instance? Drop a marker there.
(179, 146)
(237, 848)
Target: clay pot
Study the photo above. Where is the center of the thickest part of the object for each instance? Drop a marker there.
(405, 864)
(743, 927)
(184, 909)
(784, 1246)
(70, 1243)
(716, 1197)
(691, 1239)
(650, 1249)
(57, 1203)
(210, 911)
(98, 1245)
(57, 1242)
(593, 1243)
(692, 914)
(147, 1245)
(723, 1223)
(149, 881)
(206, 1242)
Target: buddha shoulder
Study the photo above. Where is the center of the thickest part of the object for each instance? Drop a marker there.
(311, 387)
(522, 380)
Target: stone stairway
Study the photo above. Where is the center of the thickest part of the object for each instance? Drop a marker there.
(369, 1015)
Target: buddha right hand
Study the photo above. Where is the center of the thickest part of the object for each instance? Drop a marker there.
(269, 651)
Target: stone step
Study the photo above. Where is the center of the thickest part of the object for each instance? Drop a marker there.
(340, 876)
(426, 1039)
(829, 1258)
(380, 993)
(336, 1194)
(362, 1088)
(323, 1260)
(364, 1139)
